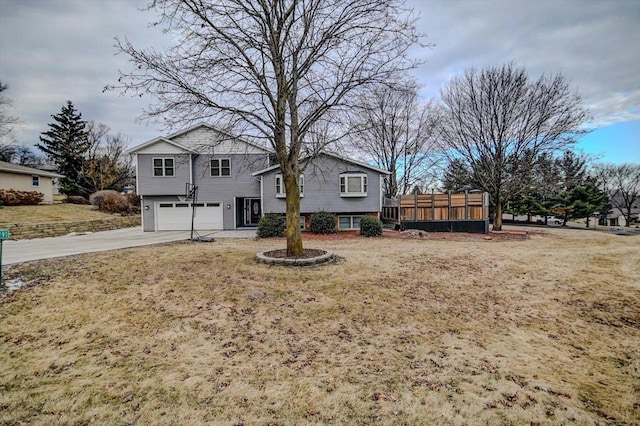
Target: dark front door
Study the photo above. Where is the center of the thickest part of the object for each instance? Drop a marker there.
(252, 211)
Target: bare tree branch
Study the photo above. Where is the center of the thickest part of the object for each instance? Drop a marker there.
(499, 122)
(399, 133)
(269, 69)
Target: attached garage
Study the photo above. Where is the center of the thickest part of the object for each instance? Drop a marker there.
(177, 216)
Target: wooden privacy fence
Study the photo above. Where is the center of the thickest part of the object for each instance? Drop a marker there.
(437, 207)
(422, 207)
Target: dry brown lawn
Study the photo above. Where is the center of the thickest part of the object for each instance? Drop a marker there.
(417, 331)
(46, 213)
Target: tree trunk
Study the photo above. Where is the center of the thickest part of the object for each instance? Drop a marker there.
(497, 218)
(293, 233)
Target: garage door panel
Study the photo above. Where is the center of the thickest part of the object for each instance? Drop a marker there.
(177, 216)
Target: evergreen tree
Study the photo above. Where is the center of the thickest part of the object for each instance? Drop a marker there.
(458, 177)
(66, 144)
(573, 170)
(585, 200)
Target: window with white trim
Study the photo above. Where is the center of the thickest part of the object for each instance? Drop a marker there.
(35, 181)
(281, 192)
(163, 167)
(348, 222)
(353, 185)
(221, 167)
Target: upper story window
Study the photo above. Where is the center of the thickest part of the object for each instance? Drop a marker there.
(220, 167)
(353, 185)
(281, 191)
(35, 181)
(163, 167)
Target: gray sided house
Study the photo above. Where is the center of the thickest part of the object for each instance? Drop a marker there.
(237, 184)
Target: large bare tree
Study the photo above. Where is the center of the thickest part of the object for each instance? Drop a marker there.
(270, 68)
(392, 127)
(7, 120)
(105, 165)
(622, 183)
(498, 121)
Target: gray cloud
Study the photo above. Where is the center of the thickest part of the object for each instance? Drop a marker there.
(54, 50)
(595, 44)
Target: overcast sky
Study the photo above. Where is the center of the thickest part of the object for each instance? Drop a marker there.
(54, 50)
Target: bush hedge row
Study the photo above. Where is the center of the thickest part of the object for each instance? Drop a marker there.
(12, 197)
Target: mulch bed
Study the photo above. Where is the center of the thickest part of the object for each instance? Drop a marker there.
(306, 254)
(421, 235)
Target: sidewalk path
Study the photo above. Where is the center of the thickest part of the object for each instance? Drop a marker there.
(45, 248)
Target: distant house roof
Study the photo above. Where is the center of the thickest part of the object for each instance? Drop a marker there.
(616, 213)
(24, 170)
(346, 160)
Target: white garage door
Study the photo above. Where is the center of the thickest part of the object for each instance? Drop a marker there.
(177, 216)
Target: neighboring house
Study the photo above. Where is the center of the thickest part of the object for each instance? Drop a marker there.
(22, 178)
(57, 196)
(237, 183)
(616, 218)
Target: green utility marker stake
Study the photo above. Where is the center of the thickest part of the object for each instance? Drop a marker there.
(4, 235)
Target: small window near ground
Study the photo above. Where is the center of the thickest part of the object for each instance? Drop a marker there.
(220, 167)
(353, 185)
(35, 181)
(163, 167)
(348, 222)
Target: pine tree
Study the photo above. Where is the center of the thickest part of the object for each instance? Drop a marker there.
(573, 170)
(66, 144)
(587, 199)
(458, 177)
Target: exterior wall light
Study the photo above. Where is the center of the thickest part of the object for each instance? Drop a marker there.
(146, 207)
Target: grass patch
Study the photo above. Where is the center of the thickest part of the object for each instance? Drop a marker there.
(48, 213)
(399, 332)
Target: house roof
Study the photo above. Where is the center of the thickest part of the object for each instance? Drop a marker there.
(160, 139)
(346, 160)
(216, 129)
(169, 139)
(24, 170)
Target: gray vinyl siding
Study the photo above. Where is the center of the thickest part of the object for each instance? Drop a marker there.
(165, 185)
(225, 189)
(322, 189)
(239, 184)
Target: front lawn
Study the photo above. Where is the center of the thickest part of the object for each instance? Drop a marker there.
(47, 213)
(416, 331)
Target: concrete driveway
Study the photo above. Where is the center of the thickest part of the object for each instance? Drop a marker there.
(45, 248)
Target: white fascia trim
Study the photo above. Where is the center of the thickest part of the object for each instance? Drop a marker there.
(135, 149)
